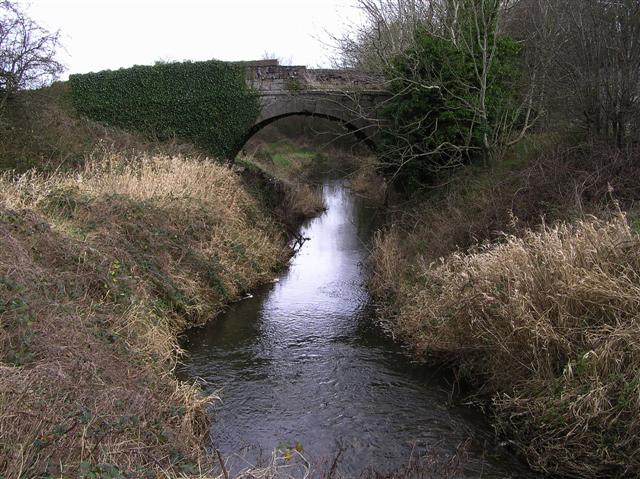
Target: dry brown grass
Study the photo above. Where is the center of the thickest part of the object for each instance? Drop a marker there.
(548, 324)
(480, 204)
(305, 201)
(541, 318)
(99, 271)
(367, 182)
(299, 198)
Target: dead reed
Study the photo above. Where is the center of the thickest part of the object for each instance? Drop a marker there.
(99, 271)
(547, 324)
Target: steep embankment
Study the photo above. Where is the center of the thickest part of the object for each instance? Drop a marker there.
(543, 320)
(41, 129)
(108, 250)
(100, 270)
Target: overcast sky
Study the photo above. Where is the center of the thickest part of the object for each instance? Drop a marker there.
(109, 34)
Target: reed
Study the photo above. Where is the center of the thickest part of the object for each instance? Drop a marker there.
(100, 270)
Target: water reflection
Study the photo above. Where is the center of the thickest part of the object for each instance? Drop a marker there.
(301, 361)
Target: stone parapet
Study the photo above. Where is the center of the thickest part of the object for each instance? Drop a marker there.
(268, 76)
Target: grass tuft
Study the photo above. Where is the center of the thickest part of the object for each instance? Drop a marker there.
(100, 270)
(547, 324)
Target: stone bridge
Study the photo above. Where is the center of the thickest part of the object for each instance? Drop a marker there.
(347, 96)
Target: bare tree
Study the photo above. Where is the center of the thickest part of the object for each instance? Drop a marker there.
(28, 52)
(387, 28)
(585, 56)
(473, 30)
(474, 26)
(579, 67)
(605, 71)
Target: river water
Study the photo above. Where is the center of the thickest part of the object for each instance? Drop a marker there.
(303, 362)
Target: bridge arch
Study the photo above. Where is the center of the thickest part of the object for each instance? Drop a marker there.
(360, 135)
(333, 106)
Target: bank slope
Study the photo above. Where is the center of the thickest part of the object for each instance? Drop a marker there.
(100, 269)
(541, 318)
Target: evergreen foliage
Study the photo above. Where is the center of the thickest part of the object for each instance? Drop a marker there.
(434, 116)
(207, 103)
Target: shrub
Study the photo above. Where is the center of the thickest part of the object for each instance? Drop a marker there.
(434, 116)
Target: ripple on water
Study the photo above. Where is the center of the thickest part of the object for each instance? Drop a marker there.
(300, 362)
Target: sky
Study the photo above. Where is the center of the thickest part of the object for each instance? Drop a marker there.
(110, 34)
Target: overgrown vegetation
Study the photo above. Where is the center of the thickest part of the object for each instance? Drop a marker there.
(439, 116)
(470, 78)
(502, 267)
(111, 244)
(520, 270)
(100, 270)
(42, 130)
(546, 324)
(205, 103)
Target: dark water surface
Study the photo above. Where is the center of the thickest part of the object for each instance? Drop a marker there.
(303, 362)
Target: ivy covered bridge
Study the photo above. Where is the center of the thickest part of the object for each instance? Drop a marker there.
(218, 106)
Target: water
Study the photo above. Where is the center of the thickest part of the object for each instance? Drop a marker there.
(303, 362)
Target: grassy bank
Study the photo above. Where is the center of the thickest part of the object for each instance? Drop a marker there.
(110, 246)
(40, 129)
(524, 277)
(100, 270)
(302, 169)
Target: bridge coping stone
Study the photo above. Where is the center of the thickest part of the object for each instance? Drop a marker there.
(270, 76)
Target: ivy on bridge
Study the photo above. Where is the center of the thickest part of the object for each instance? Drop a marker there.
(207, 103)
